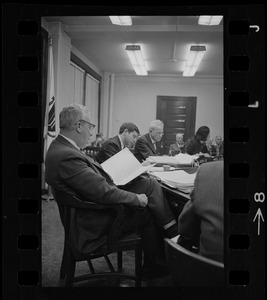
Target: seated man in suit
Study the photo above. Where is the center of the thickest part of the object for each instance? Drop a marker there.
(127, 136)
(217, 146)
(178, 146)
(69, 170)
(99, 140)
(201, 221)
(148, 144)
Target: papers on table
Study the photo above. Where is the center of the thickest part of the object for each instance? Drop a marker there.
(124, 167)
(186, 159)
(179, 159)
(178, 179)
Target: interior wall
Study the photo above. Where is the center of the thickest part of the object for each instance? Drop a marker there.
(135, 100)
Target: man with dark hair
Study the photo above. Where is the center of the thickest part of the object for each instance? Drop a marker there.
(127, 136)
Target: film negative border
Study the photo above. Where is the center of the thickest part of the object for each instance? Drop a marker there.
(245, 132)
(244, 74)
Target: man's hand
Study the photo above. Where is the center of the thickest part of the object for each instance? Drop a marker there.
(146, 163)
(204, 154)
(142, 200)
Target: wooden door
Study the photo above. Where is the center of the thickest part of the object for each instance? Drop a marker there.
(178, 115)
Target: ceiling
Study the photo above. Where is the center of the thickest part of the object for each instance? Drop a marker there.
(164, 40)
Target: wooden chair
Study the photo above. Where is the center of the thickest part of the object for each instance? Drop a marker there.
(191, 269)
(115, 243)
(91, 151)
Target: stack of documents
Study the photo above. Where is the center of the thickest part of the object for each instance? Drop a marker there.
(178, 179)
(180, 159)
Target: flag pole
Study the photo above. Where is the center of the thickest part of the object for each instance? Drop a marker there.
(49, 126)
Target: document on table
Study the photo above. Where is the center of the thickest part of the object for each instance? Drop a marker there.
(178, 179)
(179, 159)
(124, 167)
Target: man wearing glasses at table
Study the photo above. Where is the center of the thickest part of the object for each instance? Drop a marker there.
(70, 170)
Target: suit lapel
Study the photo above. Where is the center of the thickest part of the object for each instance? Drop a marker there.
(96, 166)
(151, 144)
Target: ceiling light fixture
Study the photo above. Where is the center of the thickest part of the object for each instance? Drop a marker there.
(121, 20)
(194, 58)
(136, 58)
(209, 20)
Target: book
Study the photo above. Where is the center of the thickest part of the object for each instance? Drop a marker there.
(123, 167)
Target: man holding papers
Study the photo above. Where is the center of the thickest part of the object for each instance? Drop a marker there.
(127, 136)
(68, 169)
(126, 162)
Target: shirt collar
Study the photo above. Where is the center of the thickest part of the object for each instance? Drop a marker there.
(153, 142)
(122, 145)
(70, 140)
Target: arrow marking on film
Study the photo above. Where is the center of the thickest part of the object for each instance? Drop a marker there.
(259, 216)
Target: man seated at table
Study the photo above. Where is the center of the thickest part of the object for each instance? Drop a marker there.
(148, 144)
(127, 136)
(69, 170)
(201, 223)
(178, 146)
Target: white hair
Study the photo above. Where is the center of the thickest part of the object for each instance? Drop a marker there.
(71, 115)
(156, 124)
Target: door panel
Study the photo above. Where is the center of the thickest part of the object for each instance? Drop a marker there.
(178, 115)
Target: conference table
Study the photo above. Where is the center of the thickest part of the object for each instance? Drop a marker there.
(176, 198)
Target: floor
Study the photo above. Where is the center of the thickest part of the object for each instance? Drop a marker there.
(52, 248)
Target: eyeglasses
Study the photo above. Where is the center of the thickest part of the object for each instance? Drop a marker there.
(92, 126)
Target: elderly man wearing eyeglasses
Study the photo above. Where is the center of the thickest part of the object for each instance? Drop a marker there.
(70, 170)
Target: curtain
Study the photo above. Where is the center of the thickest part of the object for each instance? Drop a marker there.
(77, 82)
(92, 100)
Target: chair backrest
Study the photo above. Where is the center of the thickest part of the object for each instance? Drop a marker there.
(191, 269)
(68, 206)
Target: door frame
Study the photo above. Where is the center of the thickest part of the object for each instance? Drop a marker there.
(190, 129)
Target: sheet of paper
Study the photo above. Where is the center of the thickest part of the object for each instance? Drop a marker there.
(184, 158)
(124, 167)
(168, 160)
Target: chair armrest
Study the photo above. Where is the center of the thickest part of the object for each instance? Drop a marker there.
(117, 211)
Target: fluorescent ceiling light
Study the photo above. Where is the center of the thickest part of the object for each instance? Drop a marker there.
(209, 20)
(121, 20)
(136, 58)
(194, 58)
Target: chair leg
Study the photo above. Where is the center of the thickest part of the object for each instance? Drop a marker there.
(91, 266)
(138, 266)
(119, 258)
(109, 264)
(70, 273)
(64, 262)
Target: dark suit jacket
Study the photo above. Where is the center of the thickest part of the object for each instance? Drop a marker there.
(144, 148)
(71, 171)
(193, 146)
(109, 148)
(202, 217)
